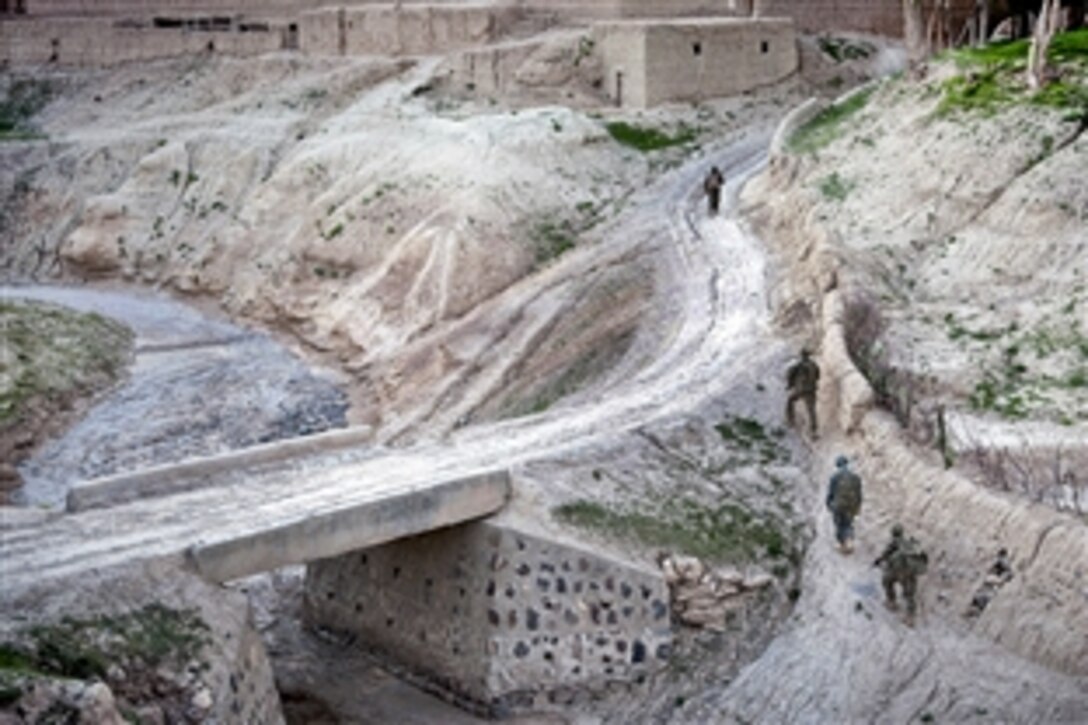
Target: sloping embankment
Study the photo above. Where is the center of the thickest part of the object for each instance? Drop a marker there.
(1042, 614)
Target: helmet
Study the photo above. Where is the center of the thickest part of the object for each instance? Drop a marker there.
(806, 352)
(842, 462)
(897, 531)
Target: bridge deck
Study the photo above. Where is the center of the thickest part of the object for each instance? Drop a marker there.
(258, 521)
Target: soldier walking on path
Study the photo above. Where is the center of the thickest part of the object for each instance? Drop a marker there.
(844, 502)
(712, 187)
(802, 380)
(902, 562)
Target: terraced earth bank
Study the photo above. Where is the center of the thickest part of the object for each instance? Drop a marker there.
(517, 285)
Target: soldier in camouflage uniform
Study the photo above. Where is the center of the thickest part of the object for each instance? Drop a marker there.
(902, 562)
(844, 502)
(802, 379)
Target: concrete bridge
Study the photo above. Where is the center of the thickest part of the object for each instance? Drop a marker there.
(249, 511)
(397, 552)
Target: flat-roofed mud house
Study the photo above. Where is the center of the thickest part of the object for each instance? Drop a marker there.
(648, 62)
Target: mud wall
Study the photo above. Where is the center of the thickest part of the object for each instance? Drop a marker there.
(412, 30)
(650, 63)
(878, 17)
(166, 7)
(614, 9)
(496, 614)
(102, 42)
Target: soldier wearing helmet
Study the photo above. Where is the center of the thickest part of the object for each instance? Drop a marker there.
(902, 562)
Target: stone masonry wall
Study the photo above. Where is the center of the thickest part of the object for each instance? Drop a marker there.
(492, 613)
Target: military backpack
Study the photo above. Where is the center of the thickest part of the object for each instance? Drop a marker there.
(847, 493)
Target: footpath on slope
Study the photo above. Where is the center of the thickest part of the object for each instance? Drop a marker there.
(846, 657)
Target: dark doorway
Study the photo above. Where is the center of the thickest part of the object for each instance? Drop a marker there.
(619, 88)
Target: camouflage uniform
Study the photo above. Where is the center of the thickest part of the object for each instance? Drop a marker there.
(902, 562)
(844, 501)
(802, 379)
(712, 186)
(998, 576)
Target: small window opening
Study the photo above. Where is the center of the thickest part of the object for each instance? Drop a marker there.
(697, 48)
(764, 47)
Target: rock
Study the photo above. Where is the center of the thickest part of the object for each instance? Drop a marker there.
(729, 575)
(202, 700)
(150, 715)
(97, 706)
(758, 580)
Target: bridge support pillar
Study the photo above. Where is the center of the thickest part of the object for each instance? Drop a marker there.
(502, 618)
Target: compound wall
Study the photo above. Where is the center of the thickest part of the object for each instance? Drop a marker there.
(495, 614)
(99, 42)
(647, 62)
(878, 17)
(167, 7)
(616, 9)
(411, 30)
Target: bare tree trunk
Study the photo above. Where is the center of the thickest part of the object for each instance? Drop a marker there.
(1045, 29)
(914, 30)
(983, 23)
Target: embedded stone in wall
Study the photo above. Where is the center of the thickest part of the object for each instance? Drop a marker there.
(497, 615)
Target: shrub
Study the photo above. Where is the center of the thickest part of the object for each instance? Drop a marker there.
(648, 139)
(828, 125)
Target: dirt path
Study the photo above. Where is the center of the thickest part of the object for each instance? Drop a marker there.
(198, 386)
(849, 659)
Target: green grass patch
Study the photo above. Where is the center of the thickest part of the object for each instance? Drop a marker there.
(551, 240)
(749, 435)
(49, 352)
(23, 100)
(727, 532)
(982, 92)
(648, 139)
(993, 77)
(84, 648)
(844, 49)
(835, 188)
(827, 125)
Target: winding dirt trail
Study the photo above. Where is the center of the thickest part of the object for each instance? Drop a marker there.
(848, 659)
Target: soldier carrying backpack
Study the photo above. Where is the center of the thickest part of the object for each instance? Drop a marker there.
(844, 502)
(902, 561)
(802, 381)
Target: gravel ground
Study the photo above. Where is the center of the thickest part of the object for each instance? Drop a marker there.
(198, 386)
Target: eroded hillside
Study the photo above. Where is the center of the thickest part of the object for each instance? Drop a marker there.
(346, 203)
(952, 208)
